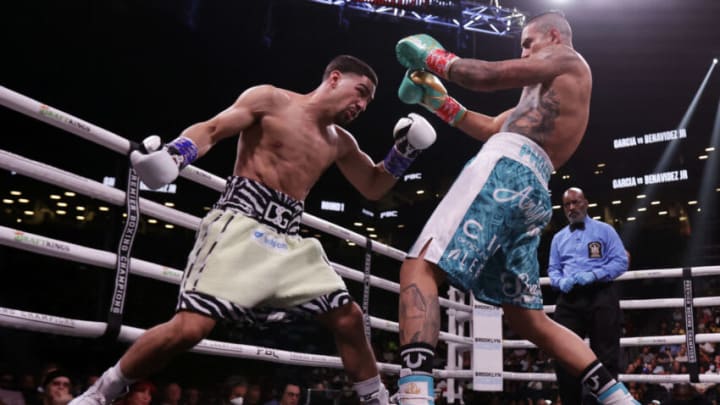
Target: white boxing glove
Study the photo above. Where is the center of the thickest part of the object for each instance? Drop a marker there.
(162, 163)
(412, 135)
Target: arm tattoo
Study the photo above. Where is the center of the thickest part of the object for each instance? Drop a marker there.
(535, 116)
(473, 74)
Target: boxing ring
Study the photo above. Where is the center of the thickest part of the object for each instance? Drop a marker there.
(458, 309)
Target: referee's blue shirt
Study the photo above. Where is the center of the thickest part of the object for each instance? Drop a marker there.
(596, 248)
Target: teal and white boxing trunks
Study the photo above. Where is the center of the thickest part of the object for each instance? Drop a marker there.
(485, 232)
(249, 263)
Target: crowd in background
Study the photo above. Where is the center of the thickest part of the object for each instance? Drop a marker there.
(50, 381)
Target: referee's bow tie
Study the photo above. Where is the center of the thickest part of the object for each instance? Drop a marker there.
(578, 225)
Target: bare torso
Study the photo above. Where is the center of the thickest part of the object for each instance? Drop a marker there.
(555, 114)
(287, 149)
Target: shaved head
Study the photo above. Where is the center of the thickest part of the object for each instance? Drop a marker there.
(574, 190)
(575, 205)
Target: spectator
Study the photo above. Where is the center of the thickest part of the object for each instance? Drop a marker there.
(236, 389)
(290, 395)
(56, 388)
(254, 394)
(172, 394)
(682, 354)
(141, 393)
(8, 393)
(192, 396)
(647, 355)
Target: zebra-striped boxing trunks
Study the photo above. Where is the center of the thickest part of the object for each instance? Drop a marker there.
(250, 265)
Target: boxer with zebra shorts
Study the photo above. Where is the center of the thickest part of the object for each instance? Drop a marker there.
(248, 262)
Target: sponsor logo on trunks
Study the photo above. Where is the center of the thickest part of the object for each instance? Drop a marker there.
(472, 229)
(269, 241)
(594, 250)
(519, 288)
(469, 256)
(278, 215)
(533, 210)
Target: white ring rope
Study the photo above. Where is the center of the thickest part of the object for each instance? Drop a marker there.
(632, 341)
(677, 272)
(61, 178)
(89, 329)
(81, 254)
(34, 109)
(71, 327)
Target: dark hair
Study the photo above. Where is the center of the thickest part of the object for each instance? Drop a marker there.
(552, 19)
(545, 13)
(350, 64)
(141, 386)
(235, 381)
(55, 374)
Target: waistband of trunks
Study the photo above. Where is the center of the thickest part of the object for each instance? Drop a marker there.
(262, 203)
(524, 150)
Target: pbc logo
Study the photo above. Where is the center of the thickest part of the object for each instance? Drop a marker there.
(267, 352)
(277, 215)
(594, 250)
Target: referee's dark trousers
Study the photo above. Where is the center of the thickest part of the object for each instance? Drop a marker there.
(591, 311)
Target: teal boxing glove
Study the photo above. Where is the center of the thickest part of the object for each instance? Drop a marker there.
(421, 87)
(422, 51)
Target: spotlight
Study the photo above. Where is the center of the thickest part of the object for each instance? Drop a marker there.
(715, 61)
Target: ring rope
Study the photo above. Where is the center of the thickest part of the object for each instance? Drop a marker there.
(61, 178)
(34, 109)
(53, 324)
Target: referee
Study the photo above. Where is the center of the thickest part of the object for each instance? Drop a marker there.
(585, 257)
